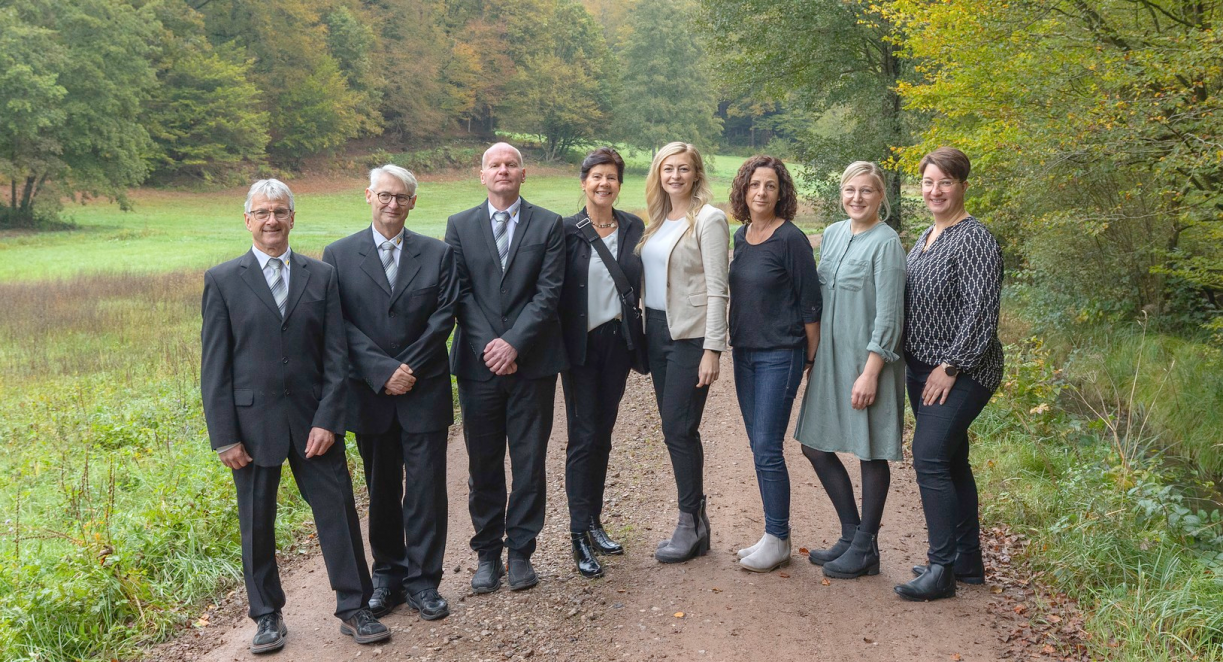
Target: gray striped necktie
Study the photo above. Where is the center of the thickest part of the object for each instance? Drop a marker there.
(388, 263)
(279, 291)
(501, 221)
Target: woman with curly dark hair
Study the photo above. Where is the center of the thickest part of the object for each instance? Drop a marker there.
(774, 329)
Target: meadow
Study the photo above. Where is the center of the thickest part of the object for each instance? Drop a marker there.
(118, 520)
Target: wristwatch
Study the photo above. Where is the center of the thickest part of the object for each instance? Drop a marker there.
(950, 370)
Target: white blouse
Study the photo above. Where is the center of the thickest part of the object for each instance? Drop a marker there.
(602, 299)
(654, 258)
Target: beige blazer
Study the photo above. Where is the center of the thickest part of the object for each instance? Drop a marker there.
(697, 290)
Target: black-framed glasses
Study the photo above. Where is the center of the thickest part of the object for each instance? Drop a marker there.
(385, 198)
(281, 213)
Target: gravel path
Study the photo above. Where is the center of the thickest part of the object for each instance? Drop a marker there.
(706, 609)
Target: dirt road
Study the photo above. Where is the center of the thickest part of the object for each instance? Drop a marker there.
(706, 609)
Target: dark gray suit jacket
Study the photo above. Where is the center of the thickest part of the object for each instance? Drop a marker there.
(387, 328)
(265, 380)
(519, 305)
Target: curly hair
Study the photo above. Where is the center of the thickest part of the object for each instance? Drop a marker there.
(787, 196)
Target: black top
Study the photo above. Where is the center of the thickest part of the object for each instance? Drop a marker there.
(574, 302)
(952, 293)
(774, 290)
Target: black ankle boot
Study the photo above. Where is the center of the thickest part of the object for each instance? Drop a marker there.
(861, 558)
(936, 583)
(600, 541)
(822, 556)
(969, 568)
(584, 555)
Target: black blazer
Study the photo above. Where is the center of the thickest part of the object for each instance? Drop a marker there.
(518, 306)
(265, 380)
(387, 328)
(574, 300)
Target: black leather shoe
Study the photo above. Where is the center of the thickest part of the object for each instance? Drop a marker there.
(599, 540)
(364, 628)
(584, 555)
(384, 600)
(522, 575)
(969, 568)
(488, 576)
(935, 584)
(430, 604)
(270, 634)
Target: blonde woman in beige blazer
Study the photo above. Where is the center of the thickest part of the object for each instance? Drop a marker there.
(684, 254)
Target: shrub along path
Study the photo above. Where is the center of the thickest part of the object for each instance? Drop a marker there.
(706, 609)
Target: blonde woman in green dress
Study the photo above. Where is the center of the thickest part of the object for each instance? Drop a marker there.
(855, 395)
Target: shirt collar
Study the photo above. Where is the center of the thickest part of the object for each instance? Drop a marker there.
(264, 257)
(513, 210)
(378, 238)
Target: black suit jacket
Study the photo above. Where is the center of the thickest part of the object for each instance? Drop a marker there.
(265, 380)
(387, 328)
(518, 305)
(574, 298)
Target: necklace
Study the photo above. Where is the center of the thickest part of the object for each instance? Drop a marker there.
(604, 226)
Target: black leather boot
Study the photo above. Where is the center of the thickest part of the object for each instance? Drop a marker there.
(969, 568)
(861, 558)
(822, 556)
(584, 555)
(936, 583)
(600, 541)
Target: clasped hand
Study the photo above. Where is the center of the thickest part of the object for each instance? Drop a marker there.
(401, 381)
(501, 357)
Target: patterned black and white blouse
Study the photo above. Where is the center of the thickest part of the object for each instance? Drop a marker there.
(951, 301)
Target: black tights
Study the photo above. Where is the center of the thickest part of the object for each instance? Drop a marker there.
(876, 478)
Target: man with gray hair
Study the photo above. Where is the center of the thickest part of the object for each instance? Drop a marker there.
(398, 291)
(272, 380)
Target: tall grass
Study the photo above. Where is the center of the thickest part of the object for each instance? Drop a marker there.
(1115, 532)
(118, 519)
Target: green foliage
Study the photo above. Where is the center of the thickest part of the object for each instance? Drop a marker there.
(1126, 540)
(74, 77)
(667, 92)
(1095, 138)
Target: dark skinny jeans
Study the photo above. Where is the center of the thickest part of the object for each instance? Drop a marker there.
(674, 365)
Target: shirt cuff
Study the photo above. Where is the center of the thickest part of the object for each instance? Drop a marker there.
(886, 355)
(225, 448)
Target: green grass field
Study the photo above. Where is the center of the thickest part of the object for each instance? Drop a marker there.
(168, 231)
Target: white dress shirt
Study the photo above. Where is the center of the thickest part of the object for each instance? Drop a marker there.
(379, 240)
(509, 227)
(268, 274)
(602, 298)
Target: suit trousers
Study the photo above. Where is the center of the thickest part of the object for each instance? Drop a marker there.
(674, 365)
(326, 486)
(407, 527)
(506, 411)
(592, 400)
(940, 460)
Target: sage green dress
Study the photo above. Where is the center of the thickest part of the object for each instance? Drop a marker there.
(862, 280)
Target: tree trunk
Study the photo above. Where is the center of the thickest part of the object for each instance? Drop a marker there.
(894, 121)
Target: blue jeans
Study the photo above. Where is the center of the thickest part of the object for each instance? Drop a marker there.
(766, 381)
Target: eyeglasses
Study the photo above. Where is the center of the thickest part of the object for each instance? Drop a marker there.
(281, 214)
(942, 184)
(866, 191)
(385, 198)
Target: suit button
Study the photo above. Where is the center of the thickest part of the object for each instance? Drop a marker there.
(394, 345)
(284, 328)
(581, 314)
(285, 360)
(503, 290)
(505, 319)
(392, 313)
(582, 285)
(286, 391)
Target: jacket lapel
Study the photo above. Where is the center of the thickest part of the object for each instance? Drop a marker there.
(371, 264)
(486, 230)
(253, 276)
(409, 265)
(520, 232)
(298, 277)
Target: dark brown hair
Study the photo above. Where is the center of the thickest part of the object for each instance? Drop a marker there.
(787, 196)
(951, 161)
(603, 156)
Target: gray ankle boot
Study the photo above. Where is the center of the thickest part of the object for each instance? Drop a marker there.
(691, 538)
(822, 556)
(862, 558)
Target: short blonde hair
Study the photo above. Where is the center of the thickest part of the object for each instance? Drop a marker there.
(876, 173)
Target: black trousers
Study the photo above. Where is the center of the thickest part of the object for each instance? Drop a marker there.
(407, 527)
(502, 412)
(674, 365)
(592, 401)
(325, 485)
(940, 459)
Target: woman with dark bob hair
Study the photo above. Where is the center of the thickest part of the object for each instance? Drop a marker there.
(774, 329)
(954, 359)
(602, 331)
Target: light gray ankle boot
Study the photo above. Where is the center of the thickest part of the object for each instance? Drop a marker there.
(691, 538)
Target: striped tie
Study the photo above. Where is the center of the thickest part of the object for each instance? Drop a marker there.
(501, 221)
(279, 292)
(388, 263)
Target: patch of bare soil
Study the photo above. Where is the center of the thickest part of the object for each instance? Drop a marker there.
(706, 609)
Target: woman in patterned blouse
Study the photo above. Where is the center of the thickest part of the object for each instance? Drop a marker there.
(954, 361)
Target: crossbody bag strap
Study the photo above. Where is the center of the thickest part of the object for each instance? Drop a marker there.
(613, 267)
